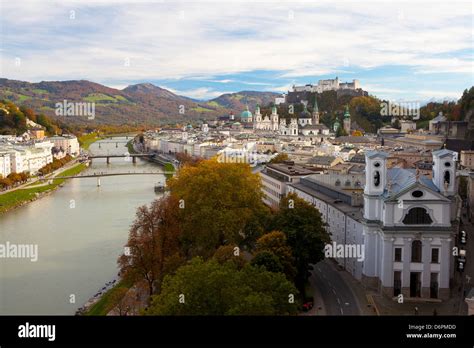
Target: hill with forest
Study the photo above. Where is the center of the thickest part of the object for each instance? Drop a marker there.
(136, 105)
(145, 105)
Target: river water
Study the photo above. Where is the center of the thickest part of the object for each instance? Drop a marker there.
(80, 230)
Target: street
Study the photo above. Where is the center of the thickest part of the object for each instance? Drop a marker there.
(336, 295)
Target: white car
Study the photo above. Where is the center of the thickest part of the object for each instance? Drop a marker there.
(463, 237)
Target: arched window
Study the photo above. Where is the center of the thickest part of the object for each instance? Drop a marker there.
(447, 177)
(417, 216)
(376, 178)
(416, 251)
(338, 182)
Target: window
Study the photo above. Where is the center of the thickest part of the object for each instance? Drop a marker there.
(397, 283)
(417, 216)
(435, 255)
(416, 251)
(376, 178)
(398, 254)
(447, 177)
(434, 285)
(417, 194)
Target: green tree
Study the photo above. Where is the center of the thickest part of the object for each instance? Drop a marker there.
(211, 288)
(268, 260)
(305, 231)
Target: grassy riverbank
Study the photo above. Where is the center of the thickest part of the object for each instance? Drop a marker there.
(19, 197)
(86, 140)
(130, 148)
(108, 300)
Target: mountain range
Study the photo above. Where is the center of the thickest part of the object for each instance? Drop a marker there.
(139, 104)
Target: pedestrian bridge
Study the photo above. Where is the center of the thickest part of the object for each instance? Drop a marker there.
(98, 175)
(131, 156)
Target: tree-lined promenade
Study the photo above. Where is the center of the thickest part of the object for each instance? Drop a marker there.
(211, 247)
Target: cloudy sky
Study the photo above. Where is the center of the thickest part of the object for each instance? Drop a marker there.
(412, 50)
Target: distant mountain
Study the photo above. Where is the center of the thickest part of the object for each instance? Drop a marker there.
(239, 100)
(148, 89)
(142, 103)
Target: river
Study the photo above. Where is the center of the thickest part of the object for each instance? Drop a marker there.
(80, 230)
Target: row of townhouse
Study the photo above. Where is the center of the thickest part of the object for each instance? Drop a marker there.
(24, 158)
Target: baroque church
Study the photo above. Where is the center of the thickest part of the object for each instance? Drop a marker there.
(305, 123)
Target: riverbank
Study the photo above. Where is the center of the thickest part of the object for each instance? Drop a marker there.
(20, 197)
(87, 140)
(105, 300)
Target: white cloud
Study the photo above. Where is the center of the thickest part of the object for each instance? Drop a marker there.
(202, 93)
(198, 39)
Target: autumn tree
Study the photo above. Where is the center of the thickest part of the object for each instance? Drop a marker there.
(211, 288)
(305, 232)
(153, 241)
(220, 203)
(276, 243)
(281, 157)
(229, 253)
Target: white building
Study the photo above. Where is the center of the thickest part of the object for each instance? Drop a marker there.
(404, 225)
(276, 177)
(328, 85)
(407, 126)
(67, 144)
(267, 122)
(5, 166)
(280, 100)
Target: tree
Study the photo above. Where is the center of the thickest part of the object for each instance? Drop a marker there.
(229, 253)
(185, 158)
(281, 157)
(268, 260)
(154, 237)
(396, 124)
(276, 243)
(220, 203)
(211, 288)
(305, 232)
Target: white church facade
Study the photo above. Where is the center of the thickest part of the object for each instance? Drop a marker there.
(305, 124)
(405, 225)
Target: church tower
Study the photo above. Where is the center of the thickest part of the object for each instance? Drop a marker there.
(444, 171)
(347, 121)
(274, 118)
(375, 183)
(315, 112)
(258, 115)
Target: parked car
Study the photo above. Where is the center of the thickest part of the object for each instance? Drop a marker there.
(463, 237)
(461, 265)
(307, 306)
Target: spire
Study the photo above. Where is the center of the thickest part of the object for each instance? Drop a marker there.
(274, 110)
(315, 107)
(347, 113)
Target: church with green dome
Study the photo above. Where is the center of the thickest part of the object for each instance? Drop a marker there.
(246, 116)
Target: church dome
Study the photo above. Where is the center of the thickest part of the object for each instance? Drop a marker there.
(246, 114)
